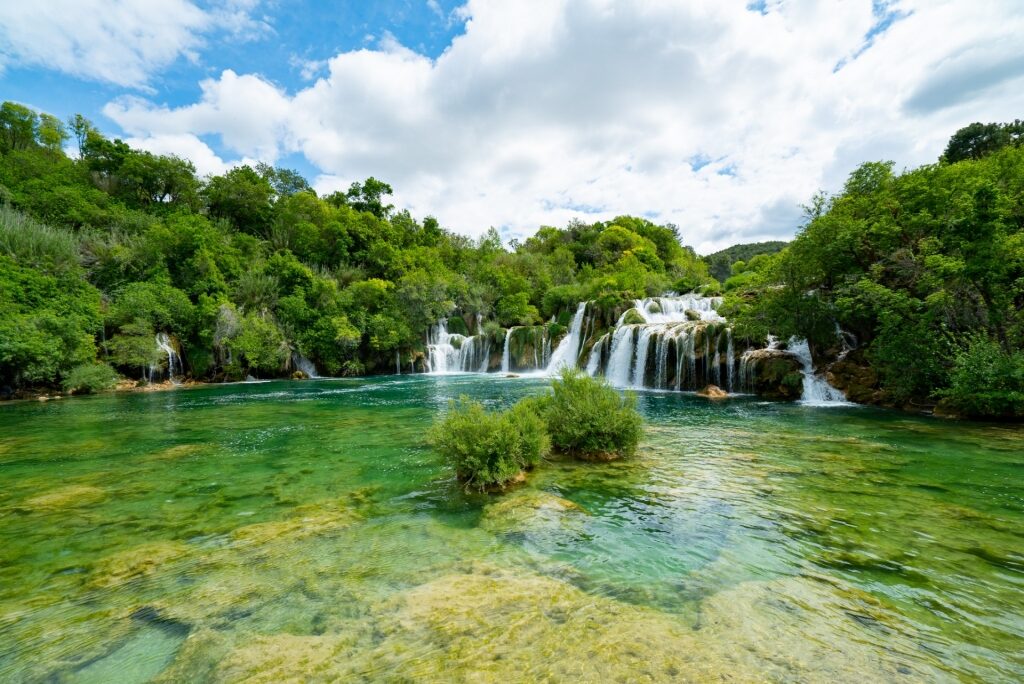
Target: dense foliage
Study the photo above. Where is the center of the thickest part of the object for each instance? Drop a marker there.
(490, 449)
(247, 271)
(924, 268)
(720, 264)
(588, 419)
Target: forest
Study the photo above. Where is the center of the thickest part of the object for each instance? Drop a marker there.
(105, 249)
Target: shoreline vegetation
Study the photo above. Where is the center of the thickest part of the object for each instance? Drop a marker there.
(903, 290)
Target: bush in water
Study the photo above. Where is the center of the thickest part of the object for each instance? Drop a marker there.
(490, 449)
(588, 419)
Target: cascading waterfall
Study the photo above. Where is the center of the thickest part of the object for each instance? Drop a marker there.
(568, 349)
(454, 353)
(620, 358)
(730, 356)
(305, 365)
(817, 390)
(670, 342)
(642, 345)
(506, 353)
(163, 343)
(594, 362)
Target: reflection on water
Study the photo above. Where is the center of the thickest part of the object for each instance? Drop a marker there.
(303, 531)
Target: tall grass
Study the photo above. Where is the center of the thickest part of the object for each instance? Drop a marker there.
(36, 244)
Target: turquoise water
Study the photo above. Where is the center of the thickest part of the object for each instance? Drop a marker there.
(303, 531)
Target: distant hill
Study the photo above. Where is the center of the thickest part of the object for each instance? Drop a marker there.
(720, 263)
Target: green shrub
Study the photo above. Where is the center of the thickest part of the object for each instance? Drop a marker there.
(986, 381)
(490, 449)
(588, 419)
(89, 378)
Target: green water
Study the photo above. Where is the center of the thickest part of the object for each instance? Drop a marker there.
(301, 531)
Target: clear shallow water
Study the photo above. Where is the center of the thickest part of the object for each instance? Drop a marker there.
(301, 530)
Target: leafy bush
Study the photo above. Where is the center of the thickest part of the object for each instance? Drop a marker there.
(588, 419)
(987, 381)
(490, 449)
(89, 378)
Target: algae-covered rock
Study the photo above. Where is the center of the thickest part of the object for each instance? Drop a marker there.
(806, 629)
(633, 317)
(692, 315)
(489, 625)
(305, 521)
(71, 496)
(177, 451)
(776, 374)
(531, 511)
(136, 562)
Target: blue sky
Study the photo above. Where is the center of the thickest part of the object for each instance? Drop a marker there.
(721, 116)
(293, 35)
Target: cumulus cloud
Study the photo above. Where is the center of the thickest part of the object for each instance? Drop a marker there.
(715, 116)
(118, 41)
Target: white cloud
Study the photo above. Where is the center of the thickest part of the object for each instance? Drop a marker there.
(118, 41)
(705, 114)
(189, 147)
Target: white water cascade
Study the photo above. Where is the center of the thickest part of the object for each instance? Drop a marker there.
(568, 349)
(305, 365)
(163, 343)
(817, 390)
(454, 353)
(506, 353)
(655, 344)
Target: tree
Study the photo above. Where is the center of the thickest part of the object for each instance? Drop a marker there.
(979, 140)
(243, 197)
(19, 127)
(367, 196)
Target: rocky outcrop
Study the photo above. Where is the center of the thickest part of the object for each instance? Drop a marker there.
(858, 381)
(774, 374)
(713, 392)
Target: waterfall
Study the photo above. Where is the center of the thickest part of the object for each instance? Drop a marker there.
(163, 343)
(506, 353)
(817, 390)
(454, 353)
(642, 345)
(620, 359)
(594, 362)
(569, 348)
(398, 363)
(303, 364)
(729, 358)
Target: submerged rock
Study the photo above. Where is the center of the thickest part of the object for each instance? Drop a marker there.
(71, 496)
(488, 625)
(531, 511)
(136, 562)
(305, 521)
(805, 629)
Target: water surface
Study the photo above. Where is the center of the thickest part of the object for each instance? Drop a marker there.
(302, 530)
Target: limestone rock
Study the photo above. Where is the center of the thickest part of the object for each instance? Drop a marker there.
(713, 392)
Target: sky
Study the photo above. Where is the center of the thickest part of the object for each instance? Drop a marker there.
(722, 117)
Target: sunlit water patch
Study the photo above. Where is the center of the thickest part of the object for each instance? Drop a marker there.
(303, 530)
